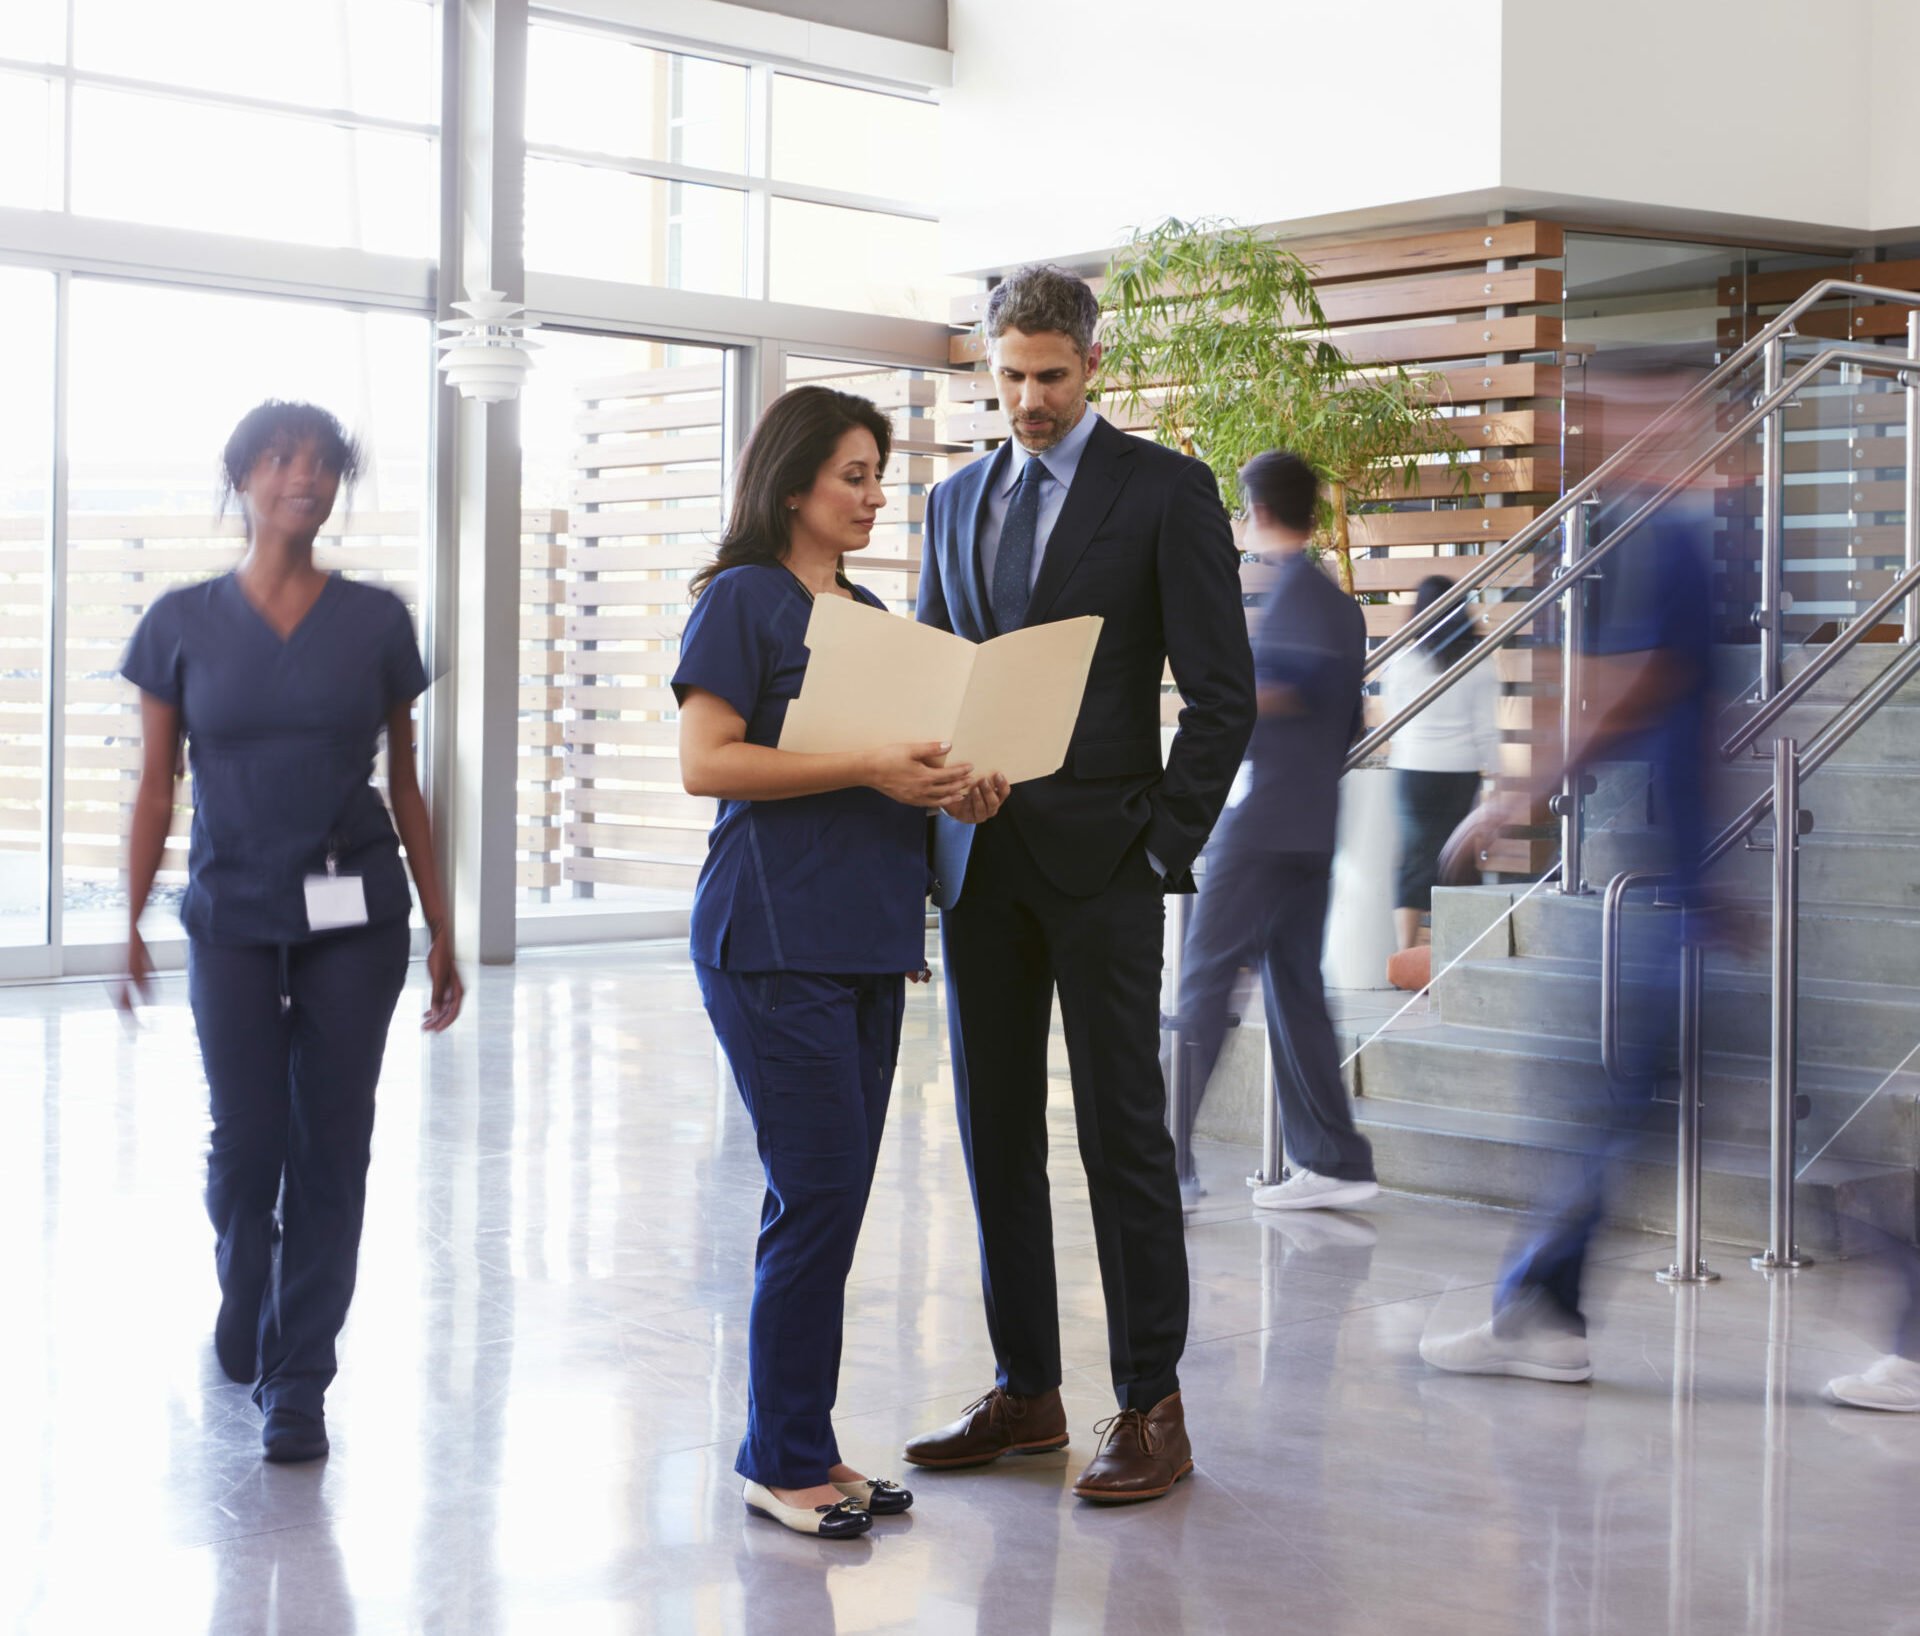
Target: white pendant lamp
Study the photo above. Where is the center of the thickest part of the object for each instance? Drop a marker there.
(487, 355)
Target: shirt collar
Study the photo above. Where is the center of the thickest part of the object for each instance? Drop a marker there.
(1061, 461)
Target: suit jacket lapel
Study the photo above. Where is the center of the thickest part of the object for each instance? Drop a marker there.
(972, 521)
(1103, 470)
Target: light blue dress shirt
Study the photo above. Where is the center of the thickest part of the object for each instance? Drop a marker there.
(1060, 463)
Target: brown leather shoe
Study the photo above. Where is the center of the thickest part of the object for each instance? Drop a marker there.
(991, 1426)
(1143, 1457)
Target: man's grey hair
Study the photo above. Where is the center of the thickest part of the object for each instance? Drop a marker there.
(1040, 298)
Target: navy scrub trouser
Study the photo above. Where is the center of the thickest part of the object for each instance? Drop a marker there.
(814, 1058)
(1271, 908)
(292, 1096)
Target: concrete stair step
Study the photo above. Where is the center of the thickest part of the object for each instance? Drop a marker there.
(1854, 797)
(1846, 942)
(1867, 1025)
(1542, 1076)
(1527, 1163)
(1877, 868)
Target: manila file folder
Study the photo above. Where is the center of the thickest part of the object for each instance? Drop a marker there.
(1006, 706)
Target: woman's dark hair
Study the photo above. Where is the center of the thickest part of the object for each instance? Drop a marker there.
(1454, 637)
(795, 438)
(274, 423)
(1284, 487)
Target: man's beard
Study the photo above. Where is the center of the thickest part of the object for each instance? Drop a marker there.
(1056, 428)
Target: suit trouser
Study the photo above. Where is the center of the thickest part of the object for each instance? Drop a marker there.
(1271, 908)
(292, 1039)
(1010, 941)
(813, 1057)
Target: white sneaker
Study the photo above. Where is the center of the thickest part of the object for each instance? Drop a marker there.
(1303, 1190)
(1892, 1384)
(1532, 1351)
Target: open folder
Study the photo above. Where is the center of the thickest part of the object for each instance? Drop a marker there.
(1007, 706)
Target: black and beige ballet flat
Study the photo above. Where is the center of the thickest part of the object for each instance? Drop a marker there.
(843, 1521)
(880, 1495)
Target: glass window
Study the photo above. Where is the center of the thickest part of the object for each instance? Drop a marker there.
(854, 141)
(377, 57)
(34, 30)
(917, 402)
(262, 176)
(30, 139)
(598, 94)
(823, 256)
(599, 223)
(26, 465)
(159, 377)
(622, 445)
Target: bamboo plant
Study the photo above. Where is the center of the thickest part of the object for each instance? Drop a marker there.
(1216, 335)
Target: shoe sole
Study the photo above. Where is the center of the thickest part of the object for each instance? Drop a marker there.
(1877, 1408)
(1343, 1199)
(299, 1454)
(806, 1533)
(965, 1461)
(1519, 1369)
(1133, 1496)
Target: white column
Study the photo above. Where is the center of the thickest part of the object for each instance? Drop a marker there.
(475, 641)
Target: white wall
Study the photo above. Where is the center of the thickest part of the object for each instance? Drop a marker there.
(1070, 121)
(1693, 106)
(1895, 124)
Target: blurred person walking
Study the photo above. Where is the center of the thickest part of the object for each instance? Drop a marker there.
(1645, 676)
(280, 678)
(1439, 757)
(1264, 893)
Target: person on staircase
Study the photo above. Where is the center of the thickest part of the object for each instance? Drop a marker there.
(1440, 757)
(1645, 679)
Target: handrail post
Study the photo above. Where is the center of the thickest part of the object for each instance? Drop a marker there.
(1180, 1089)
(1689, 1266)
(1772, 520)
(1910, 618)
(1272, 1160)
(1781, 1251)
(1567, 803)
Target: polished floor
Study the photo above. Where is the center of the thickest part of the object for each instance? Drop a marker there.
(543, 1379)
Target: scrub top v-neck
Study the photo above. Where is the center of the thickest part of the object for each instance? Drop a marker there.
(281, 734)
(833, 883)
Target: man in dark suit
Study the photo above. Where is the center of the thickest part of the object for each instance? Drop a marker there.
(1263, 900)
(1063, 889)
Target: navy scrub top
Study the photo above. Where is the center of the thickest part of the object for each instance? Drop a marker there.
(281, 737)
(833, 883)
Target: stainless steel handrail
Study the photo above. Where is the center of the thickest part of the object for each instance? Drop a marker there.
(1595, 554)
(1830, 655)
(1543, 525)
(1688, 1265)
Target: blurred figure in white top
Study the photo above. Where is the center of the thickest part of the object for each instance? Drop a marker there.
(1441, 755)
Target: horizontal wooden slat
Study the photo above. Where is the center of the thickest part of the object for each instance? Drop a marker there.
(1334, 261)
(1776, 289)
(691, 485)
(1524, 476)
(1487, 382)
(1434, 343)
(1507, 429)
(674, 415)
(1439, 527)
(664, 877)
(1405, 570)
(1835, 324)
(1421, 297)
(620, 453)
(698, 520)
(705, 376)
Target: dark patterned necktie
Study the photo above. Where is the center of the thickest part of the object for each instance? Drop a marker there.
(1013, 565)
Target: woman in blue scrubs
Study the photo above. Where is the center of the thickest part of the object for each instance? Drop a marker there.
(281, 678)
(809, 916)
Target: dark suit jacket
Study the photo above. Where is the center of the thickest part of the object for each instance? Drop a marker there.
(1312, 639)
(1142, 540)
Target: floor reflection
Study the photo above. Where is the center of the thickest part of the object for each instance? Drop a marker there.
(544, 1378)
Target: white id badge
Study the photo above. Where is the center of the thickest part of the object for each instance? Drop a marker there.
(334, 901)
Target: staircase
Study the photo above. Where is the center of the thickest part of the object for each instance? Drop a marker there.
(1480, 1091)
